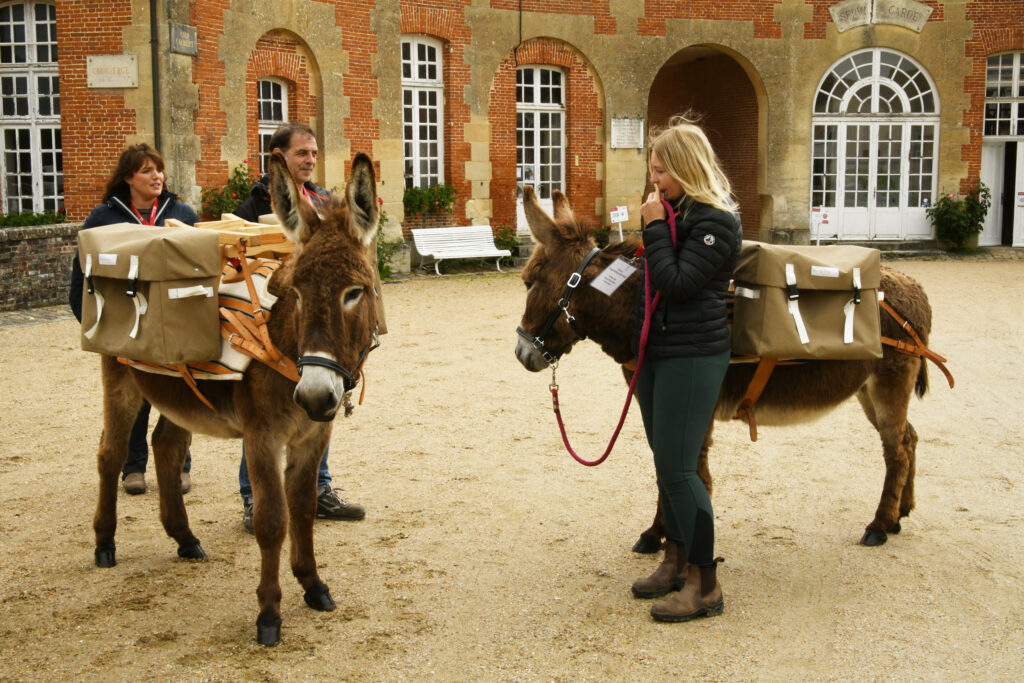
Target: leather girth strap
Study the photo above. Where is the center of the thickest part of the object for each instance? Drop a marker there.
(918, 347)
(765, 366)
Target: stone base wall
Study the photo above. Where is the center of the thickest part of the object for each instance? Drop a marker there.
(35, 265)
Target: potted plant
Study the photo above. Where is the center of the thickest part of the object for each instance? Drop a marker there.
(959, 220)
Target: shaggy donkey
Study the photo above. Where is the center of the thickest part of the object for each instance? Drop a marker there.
(795, 393)
(325, 319)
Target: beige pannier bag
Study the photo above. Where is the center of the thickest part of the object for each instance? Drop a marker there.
(150, 293)
(806, 302)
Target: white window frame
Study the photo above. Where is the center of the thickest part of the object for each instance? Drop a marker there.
(277, 103)
(1004, 95)
(540, 127)
(35, 134)
(422, 59)
(867, 92)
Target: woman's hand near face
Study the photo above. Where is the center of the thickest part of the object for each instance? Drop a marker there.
(652, 209)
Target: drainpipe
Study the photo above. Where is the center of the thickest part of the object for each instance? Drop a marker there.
(154, 44)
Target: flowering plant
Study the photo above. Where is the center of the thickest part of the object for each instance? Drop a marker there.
(217, 201)
(957, 219)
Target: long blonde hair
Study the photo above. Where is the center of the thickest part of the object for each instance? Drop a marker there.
(685, 151)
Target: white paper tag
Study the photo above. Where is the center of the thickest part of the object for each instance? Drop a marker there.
(823, 271)
(107, 259)
(617, 272)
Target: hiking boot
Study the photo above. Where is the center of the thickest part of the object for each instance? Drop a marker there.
(134, 483)
(247, 515)
(186, 482)
(330, 505)
(669, 576)
(700, 597)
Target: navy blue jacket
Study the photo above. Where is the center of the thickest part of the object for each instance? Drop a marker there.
(258, 202)
(114, 210)
(693, 279)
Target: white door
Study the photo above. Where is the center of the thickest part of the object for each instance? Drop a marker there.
(1018, 199)
(872, 197)
(993, 162)
(854, 213)
(887, 191)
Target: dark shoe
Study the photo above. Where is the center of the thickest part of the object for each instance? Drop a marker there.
(700, 597)
(247, 516)
(330, 505)
(186, 482)
(134, 483)
(669, 576)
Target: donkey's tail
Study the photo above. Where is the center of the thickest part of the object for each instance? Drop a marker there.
(921, 384)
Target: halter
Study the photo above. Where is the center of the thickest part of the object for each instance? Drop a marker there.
(562, 307)
(350, 376)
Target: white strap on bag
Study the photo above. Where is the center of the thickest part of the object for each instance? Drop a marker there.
(141, 305)
(91, 332)
(850, 309)
(794, 304)
(186, 292)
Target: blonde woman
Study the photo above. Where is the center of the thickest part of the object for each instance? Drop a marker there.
(687, 354)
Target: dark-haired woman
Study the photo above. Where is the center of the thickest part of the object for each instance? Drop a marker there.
(135, 193)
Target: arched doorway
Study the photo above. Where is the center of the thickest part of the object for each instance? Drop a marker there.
(715, 86)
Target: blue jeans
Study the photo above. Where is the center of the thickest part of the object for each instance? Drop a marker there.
(138, 450)
(323, 476)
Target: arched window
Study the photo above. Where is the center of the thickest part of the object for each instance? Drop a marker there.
(32, 161)
(422, 111)
(272, 109)
(875, 138)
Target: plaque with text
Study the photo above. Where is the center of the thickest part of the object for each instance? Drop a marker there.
(112, 71)
(906, 13)
(850, 13)
(183, 40)
(627, 134)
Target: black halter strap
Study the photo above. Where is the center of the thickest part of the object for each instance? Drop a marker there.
(350, 376)
(562, 307)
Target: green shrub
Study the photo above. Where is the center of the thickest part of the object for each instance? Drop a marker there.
(957, 219)
(20, 220)
(505, 238)
(601, 236)
(385, 250)
(433, 199)
(217, 201)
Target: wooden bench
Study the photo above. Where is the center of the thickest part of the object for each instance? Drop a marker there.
(466, 241)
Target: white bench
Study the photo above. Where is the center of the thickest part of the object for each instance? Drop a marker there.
(465, 241)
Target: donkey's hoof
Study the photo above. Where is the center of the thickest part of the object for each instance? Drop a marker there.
(105, 556)
(646, 545)
(896, 528)
(192, 551)
(318, 596)
(873, 537)
(268, 630)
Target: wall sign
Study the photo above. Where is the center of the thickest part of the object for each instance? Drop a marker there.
(627, 133)
(906, 13)
(183, 40)
(112, 71)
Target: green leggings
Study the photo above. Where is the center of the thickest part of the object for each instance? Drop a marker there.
(677, 399)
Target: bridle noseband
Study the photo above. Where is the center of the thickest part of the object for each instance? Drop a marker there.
(350, 376)
(562, 307)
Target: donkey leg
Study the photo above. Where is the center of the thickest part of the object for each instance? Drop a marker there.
(121, 403)
(885, 399)
(269, 525)
(301, 491)
(907, 501)
(170, 444)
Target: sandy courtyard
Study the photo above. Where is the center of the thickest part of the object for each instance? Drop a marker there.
(488, 554)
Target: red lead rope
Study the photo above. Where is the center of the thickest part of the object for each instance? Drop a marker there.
(649, 306)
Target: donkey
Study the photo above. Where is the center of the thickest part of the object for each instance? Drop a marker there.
(795, 393)
(325, 318)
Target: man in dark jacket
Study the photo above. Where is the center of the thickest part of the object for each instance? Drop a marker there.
(297, 143)
(135, 193)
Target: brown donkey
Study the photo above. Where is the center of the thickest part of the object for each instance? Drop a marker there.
(795, 393)
(325, 319)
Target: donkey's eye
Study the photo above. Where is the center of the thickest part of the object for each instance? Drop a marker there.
(351, 296)
(528, 285)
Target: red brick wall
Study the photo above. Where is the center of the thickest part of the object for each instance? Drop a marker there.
(448, 25)
(208, 73)
(719, 90)
(604, 23)
(997, 28)
(583, 116)
(94, 123)
(760, 12)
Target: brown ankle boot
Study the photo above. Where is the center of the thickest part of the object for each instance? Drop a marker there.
(700, 597)
(669, 576)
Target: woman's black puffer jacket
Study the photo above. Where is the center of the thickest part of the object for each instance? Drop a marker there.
(693, 279)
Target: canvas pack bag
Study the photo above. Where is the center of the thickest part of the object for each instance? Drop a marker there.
(150, 292)
(807, 302)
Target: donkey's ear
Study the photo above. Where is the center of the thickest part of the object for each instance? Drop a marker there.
(563, 212)
(541, 225)
(297, 217)
(361, 195)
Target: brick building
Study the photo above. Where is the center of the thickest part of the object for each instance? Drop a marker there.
(865, 110)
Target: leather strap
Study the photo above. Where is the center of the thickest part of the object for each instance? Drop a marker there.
(186, 375)
(918, 347)
(765, 366)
